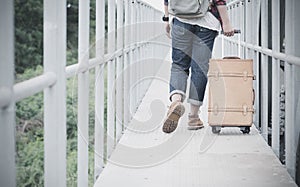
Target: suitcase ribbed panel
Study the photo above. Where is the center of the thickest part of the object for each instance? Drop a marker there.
(230, 92)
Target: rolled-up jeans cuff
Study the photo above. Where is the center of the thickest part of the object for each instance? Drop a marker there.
(177, 92)
(195, 102)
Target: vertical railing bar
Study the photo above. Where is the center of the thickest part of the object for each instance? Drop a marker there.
(289, 119)
(142, 50)
(145, 32)
(236, 26)
(83, 93)
(132, 95)
(141, 62)
(137, 53)
(240, 20)
(241, 27)
(234, 17)
(244, 27)
(99, 89)
(223, 46)
(248, 27)
(7, 113)
(126, 64)
(55, 139)
(110, 80)
(264, 71)
(257, 67)
(119, 77)
(275, 76)
(290, 124)
(153, 32)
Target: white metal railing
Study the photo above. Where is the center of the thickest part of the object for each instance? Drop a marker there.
(252, 17)
(7, 115)
(130, 41)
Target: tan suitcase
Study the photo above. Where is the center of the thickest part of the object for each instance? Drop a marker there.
(231, 96)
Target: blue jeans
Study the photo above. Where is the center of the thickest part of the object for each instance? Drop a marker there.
(191, 47)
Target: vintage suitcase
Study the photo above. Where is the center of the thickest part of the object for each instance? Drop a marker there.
(231, 95)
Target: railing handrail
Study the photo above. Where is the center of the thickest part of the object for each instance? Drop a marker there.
(32, 86)
(37, 84)
(291, 59)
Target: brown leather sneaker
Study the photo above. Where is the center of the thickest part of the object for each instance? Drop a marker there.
(195, 122)
(176, 110)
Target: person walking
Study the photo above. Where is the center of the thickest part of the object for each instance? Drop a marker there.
(192, 43)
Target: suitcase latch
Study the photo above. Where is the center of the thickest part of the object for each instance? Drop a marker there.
(216, 109)
(217, 75)
(245, 110)
(245, 73)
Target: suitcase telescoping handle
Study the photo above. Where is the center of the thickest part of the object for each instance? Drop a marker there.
(236, 31)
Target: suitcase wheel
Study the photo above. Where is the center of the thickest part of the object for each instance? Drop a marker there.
(245, 130)
(216, 130)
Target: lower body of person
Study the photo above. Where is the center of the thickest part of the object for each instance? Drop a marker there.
(191, 49)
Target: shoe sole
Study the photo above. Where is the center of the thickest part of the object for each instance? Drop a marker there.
(171, 122)
(195, 127)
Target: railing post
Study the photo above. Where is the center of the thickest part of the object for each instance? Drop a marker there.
(83, 93)
(126, 64)
(292, 27)
(134, 33)
(242, 27)
(132, 95)
(111, 79)
(138, 53)
(143, 47)
(256, 63)
(275, 76)
(120, 74)
(99, 88)
(152, 17)
(55, 96)
(248, 26)
(264, 70)
(7, 113)
(289, 120)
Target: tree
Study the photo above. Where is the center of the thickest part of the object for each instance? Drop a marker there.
(28, 34)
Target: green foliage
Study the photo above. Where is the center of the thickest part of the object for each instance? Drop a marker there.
(72, 168)
(72, 108)
(29, 135)
(28, 34)
(30, 161)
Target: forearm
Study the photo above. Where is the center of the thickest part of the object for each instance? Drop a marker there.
(166, 3)
(166, 10)
(167, 15)
(223, 13)
(226, 26)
